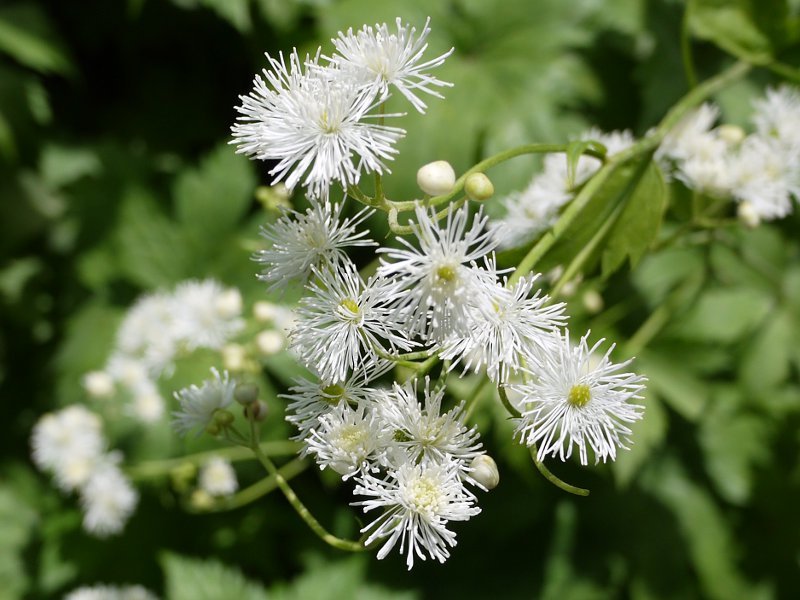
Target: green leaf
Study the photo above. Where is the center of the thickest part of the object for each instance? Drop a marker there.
(61, 165)
(195, 579)
(16, 525)
(723, 315)
(236, 12)
(28, 37)
(648, 434)
(152, 251)
(735, 444)
(574, 152)
(639, 224)
(730, 26)
(670, 379)
(212, 199)
(766, 359)
(712, 546)
(660, 272)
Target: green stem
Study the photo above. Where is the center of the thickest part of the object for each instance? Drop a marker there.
(553, 479)
(301, 509)
(487, 164)
(398, 229)
(160, 468)
(647, 144)
(260, 488)
(507, 403)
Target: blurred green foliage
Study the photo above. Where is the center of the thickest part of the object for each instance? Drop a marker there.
(116, 178)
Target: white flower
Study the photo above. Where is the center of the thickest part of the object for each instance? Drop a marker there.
(570, 401)
(506, 329)
(423, 432)
(270, 342)
(98, 384)
(344, 321)
(198, 404)
(218, 478)
(310, 400)
(418, 501)
(777, 115)
(148, 332)
(110, 592)
(766, 176)
(313, 122)
(316, 239)
(440, 280)
(208, 314)
(108, 500)
(384, 59)
(69, 443)
(348, 440)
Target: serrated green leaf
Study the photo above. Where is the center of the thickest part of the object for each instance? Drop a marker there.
(723, 315)
(195, 579)
(28, 37)
(648, 434)
(638, 225)
(735, 444)
(152, 251)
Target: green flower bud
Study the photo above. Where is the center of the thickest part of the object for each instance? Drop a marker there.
(478, 187)
(245, 393)
(436, 178)
(223, 418)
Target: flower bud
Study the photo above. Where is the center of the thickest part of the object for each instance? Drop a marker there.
(257, 411)
(731, 134)
(229, 304)
(245, 393)
(748, 216)
(484, 471)
(223, 418)
(592, 301)
(234, 357)
(98, 384)
(436, 178)
(269, 342)
(264, 311)
(478, 187)
(201, 500)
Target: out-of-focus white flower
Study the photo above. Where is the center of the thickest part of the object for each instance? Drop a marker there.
(417, 502)
(208, 314)
(218, 478)
(314, 240)
(440, 280)
(148, 331)
(382, 58)
(572, 402)
(349, 440)
(777, 116)
(501, 332)
(108, 500)
(198, 404)
(765, 175)
(234, 357)
(315, 123)
(98, 384)
(344, 321)
(147, 405)
(69, 443)
(111, 592)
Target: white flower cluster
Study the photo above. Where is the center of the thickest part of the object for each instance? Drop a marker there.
(317, 117)
(535, 209)
(157, 328)
(760, 171)
(437, 296)
(70, 444)
(111, 592)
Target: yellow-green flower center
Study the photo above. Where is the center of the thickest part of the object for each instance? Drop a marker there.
(579, 395)
(351, 438)
(424, 495)
(332, 394)
(348, 309)
(446, 273)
